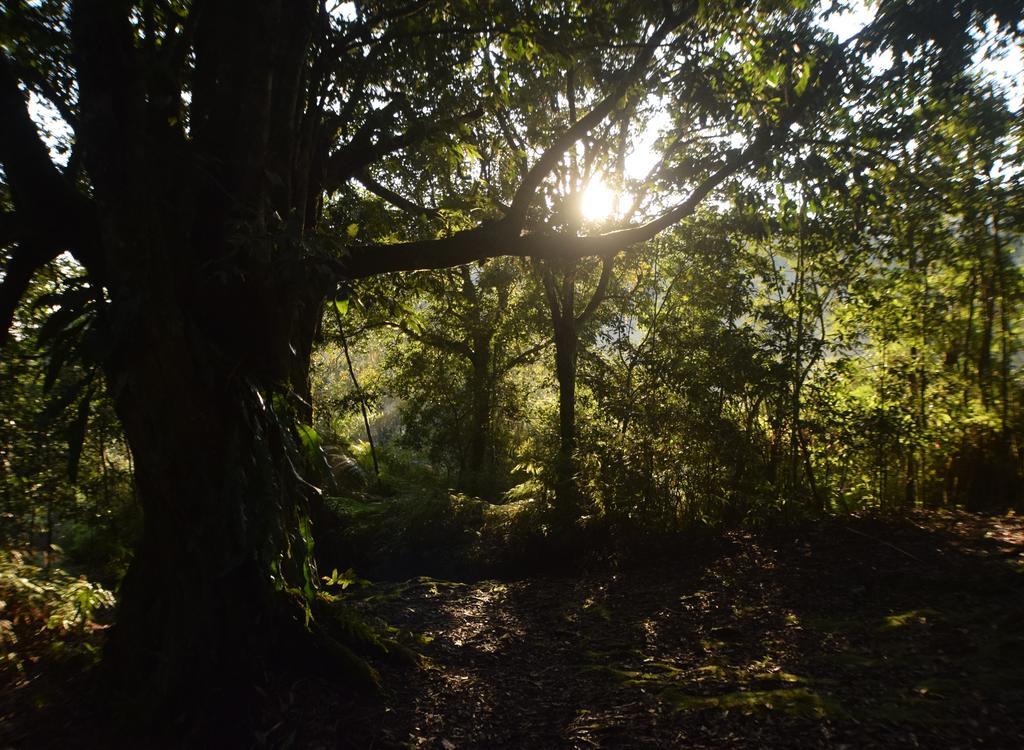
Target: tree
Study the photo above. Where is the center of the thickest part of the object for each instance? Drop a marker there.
(676, 364)
(461, 332)
(207, 140)
(567, 318)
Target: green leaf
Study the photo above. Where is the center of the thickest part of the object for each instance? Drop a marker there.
(341, 305)
(76, 435)
(352, 230)
(468, 151)
(310, 440)
(344, 580)
(805, 77)
(58, 403)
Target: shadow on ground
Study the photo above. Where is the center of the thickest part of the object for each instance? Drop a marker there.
(854, 633)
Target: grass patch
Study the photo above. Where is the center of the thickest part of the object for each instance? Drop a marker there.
(799, 702)
(913, 617)
(747, 691)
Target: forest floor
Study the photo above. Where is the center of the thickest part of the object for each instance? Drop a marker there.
(849, 633)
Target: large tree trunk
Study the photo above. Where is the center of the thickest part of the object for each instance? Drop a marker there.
(223, 572)
(198, 599)
(210, 321)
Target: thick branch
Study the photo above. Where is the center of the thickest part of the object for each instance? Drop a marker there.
(44, 88)
(476, 244)
(599, 292)
(392, 197)
(359, 153)
(497, 239)
(37, 187)
(23, 263)
(50, 215)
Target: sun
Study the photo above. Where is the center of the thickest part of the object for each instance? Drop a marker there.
(598, 201)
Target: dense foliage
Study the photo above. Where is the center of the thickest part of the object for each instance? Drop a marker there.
(839, 335)
(310, 282)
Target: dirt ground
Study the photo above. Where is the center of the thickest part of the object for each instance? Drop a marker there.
(852, 633)
(849, 633)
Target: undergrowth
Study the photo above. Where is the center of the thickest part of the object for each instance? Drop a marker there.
(46, 612)
(445, 535)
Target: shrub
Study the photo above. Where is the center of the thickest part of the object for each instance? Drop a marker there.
(35, 601)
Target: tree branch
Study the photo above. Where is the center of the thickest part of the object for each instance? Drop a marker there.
(468, 288)
(392, 197)
(732, 164)
(18, 272)
(432, 339)
(599, 292)
(394, 14)
(523, 357)
(491, 240)
(547, 279)
(50, 215)
(36, 184)
(35, 79)
(360, 152)
(527, 191)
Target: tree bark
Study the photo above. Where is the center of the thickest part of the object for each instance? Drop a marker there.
(209, 322)
(478, 477)
(223, 574)
(566, 350)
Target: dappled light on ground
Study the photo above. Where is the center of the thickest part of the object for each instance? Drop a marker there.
(853, 634)
(849, 633)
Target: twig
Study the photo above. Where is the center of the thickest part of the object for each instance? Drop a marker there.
(882, 541)
(359, 392)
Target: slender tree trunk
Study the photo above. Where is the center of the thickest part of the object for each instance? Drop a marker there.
(104, 468)
(48, 552)
(999, 271)
(566, 323)
(988, 307)
(797, 379)
(566, 350)
(364, 410)
(969, 339)
(478, 475)
(925, 492)
(911, 490)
